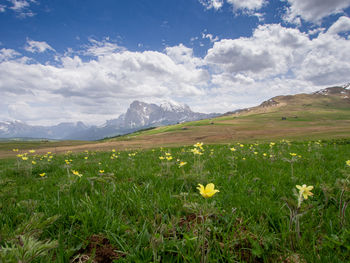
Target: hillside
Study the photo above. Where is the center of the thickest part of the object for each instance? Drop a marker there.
(324, 114)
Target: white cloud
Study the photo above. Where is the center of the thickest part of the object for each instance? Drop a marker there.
(6, 54)
(2, 8)
(91, 88)
(101, 48)
(210, 37)
(37, 46)
(209, 4)
(22, 7)
(270, 51)
(247, 4)
(341, 25)
(313, 10)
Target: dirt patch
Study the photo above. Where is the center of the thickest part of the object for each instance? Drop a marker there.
(98, 250)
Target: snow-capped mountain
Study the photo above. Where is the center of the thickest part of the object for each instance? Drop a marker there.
(139, 115)
(19, 129)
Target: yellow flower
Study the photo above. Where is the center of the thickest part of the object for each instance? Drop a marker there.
(265, 154)
(24, 158)
(43, 174)
(77, 173)
(161, 158)
(207, 191)
(167, 154)
(305, 190)
(348, 162)
(293, 154)
(272, 144)
(255, 153)
(169, 158)
(32, 151)
(48, 152)
(113, 150)
(86, 157)
(198, 144)
(182, 164)
(243, 159)
(19, 155)
(15, 150)
(241, 145)
(33, 162)
(233, 149)
(101, 171)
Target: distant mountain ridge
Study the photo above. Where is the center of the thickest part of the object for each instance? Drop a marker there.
(139, 115)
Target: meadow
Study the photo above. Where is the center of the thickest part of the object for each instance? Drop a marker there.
(281, 201)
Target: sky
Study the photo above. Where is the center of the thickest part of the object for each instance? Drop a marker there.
(87, 60)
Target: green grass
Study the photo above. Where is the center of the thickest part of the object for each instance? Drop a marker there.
(150, 210)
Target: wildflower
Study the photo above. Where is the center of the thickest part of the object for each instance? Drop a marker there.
(198, 145)
(243, 158)
(32, 151)
(182, 164)
(305, 190)
(265, 154)
(241, 145)
(33, 162)
(272, 144)
(15, 150)
(207, 191)
(48, 152)
(86, 157)
(67, 162)
(292, 154)
(113, 150)
(161, 158)
(167, 154)
(24, 158)
(348, 162)
(101, 171)
(233, 149)
(169, 158)
(19, 155)
(77, 173)
(42, 174)
(255, 153)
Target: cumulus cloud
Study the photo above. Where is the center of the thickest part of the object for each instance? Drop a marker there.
(270, 51)
(37, 46)
(280, 60)
(313, 10)
(91, 87)
(341, 25)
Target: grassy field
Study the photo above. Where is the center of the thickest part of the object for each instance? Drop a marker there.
(141, 206)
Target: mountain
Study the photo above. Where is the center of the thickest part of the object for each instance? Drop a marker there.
(139, 115)
(18, 129)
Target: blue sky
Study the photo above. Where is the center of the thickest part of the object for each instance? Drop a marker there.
(64, 60)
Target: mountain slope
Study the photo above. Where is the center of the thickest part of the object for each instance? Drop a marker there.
(322, 114)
